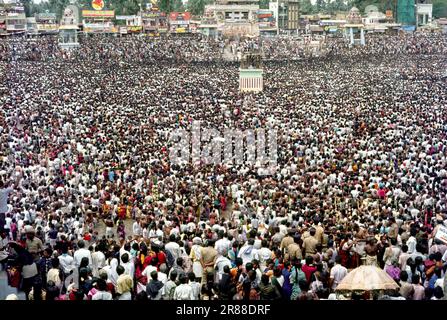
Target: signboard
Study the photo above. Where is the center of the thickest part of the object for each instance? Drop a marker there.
(442, 234)
(124, 17)
(47, 27)
(408, 28)
(152, 14)
(179, 17)
(46, 16)
(134, 28)
(266, 20)
(389, 13)
(98, 14)
(123, 30)
(98, 4)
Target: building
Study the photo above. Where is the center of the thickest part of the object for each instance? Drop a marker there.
(15, 19)
(235, 18)
(234, 10)
(129, 24)
(46, 23)
(424, 12)
(98, 21)
(31, 26)
(12, 18)
(286, 14)
(2, 19)
(208, 26)
(355, 29)
(179, 22)
(266, 21)
(68, 30)
(442, 23)
(154, 22)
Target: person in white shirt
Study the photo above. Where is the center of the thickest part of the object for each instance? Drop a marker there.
(111, 271)
(183, 291)
(173, 247)
(338, 272)
(81, 253)
(248, 252)
(223, 244)
(162, 273)
(98, 261)
(264, 254)
(411, 242)
(4, 194)
(152, 267)
(129, 267)
(194, 285)
(220, 264)
(102, 294)
(66, 262)
(136, 228)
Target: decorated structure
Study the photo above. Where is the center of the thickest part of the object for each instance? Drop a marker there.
(179, 22)
(235, 18)
(424, 12)
(98, 20)
(251, 72)
(68, 29)
(46, 23)
(12, 18)
(154, 22)
(354, 29)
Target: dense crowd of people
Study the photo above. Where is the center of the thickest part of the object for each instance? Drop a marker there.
(93, 209)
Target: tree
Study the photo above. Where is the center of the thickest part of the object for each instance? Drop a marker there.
(306, 7)
(58, 6)
(264, 4)
(177, 6)
(439, 8)
(321, 6)
(27, 5)
(197, 7)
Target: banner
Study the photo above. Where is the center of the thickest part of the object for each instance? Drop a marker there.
(135, 28)
(153, 14)
(125, 17)
(98, 14)
(46, 16)
(442, 234)
(179, 16)
(98, 4)
(47, 27)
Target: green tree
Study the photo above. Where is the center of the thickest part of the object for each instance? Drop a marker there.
(306, 7)
(177, 6)
(197, 7)
(165, 5)
(321, 6)
(264, 4)
(57, 6)
(440, 8)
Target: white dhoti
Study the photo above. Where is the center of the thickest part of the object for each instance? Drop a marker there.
(197, 269)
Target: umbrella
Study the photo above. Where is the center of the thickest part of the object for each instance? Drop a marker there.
(367, 278)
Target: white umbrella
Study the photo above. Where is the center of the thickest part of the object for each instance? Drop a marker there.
(367, 278)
